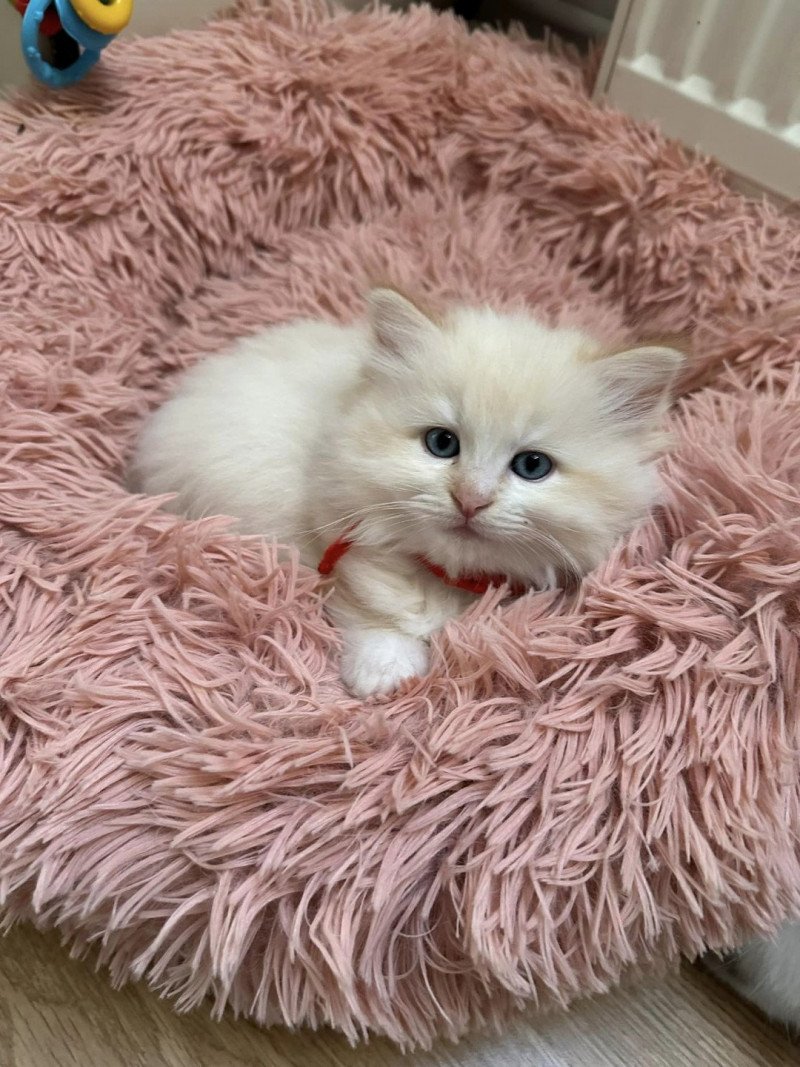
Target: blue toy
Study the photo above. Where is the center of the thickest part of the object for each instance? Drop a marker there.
(86, 27)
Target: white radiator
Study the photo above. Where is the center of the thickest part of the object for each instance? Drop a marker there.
(720, 75)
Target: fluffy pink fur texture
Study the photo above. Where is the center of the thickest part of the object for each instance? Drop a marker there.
(583, 784)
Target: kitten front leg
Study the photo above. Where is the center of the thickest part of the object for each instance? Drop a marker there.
(376, 661)
(386, 609)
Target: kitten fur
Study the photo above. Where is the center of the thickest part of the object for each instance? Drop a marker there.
(306, 429)
(766, 971)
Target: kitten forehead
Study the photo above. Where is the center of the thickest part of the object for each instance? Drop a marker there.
(504, 332)
(439, 409)
(507, 378)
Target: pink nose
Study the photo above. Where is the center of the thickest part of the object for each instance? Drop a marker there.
(470, 503)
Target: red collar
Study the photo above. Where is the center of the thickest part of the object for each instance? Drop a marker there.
(469, 583)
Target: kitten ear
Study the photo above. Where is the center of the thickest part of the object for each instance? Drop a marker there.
(638, 383)
(399, 329)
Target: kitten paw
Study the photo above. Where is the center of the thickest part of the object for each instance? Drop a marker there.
(378, 661)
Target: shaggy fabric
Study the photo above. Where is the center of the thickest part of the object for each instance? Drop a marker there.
(580, 785)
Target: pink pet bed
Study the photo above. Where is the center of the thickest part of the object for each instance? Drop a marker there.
(582, 785)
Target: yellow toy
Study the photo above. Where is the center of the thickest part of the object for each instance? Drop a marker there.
(110, 17)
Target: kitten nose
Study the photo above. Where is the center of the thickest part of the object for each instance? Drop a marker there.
(469, 503)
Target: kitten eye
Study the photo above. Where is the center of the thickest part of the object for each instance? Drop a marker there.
(532, 466)
(442, 443)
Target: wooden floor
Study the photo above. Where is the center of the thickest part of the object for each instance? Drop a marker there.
(57, 1012)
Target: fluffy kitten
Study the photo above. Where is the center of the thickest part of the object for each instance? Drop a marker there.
(766, 971)
(485, 443)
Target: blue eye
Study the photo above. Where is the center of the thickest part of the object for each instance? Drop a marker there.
(442, 443)
(532, 466)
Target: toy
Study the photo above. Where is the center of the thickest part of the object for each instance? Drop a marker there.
(63, 39)
(104, 16)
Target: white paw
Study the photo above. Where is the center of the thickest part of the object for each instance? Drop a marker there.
(377, 661)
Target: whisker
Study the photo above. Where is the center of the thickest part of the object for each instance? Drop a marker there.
(558, 552)
(362, 512)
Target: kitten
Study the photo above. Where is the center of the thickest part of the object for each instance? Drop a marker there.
(766, 971)
(410, 454)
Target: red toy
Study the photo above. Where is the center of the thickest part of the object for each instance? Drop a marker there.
(50, 24)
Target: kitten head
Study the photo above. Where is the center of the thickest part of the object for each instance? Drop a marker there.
(490, 442)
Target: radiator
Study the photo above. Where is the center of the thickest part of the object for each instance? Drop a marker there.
(722, 76)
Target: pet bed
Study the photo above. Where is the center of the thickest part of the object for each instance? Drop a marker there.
(582, 785)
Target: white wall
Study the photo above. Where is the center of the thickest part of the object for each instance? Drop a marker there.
(149, 16)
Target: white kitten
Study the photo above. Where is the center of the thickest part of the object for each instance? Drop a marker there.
(767, 972)
(484, 443)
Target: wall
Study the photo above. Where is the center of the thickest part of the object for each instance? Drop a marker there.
(149, 16)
